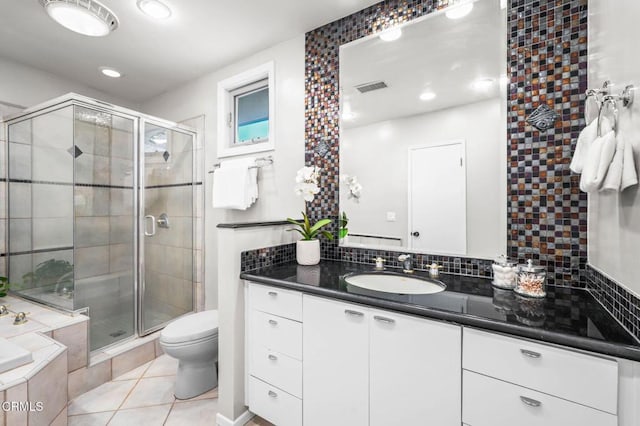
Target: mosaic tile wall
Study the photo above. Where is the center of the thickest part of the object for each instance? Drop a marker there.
(624, 306)
(547, 64)
(251, 260)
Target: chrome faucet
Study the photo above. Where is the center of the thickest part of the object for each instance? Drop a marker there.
(406, 263)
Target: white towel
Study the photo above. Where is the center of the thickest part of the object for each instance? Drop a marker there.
(629, 173)
(597, 161)
(585, 140)
(235, 184)
(614, 173)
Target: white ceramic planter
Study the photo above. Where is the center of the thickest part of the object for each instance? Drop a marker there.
(308, 252)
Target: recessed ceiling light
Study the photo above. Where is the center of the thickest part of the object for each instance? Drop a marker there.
(391, 35)
(427, 96)
(87, 17)
(483, 84)
(154, 8)
(110, 72)
(459, 9)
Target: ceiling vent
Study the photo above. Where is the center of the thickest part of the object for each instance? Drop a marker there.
(370, 87)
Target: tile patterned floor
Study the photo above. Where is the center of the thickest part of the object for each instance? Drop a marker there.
(144, 396)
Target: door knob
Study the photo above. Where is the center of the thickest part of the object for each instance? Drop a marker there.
(415, 234)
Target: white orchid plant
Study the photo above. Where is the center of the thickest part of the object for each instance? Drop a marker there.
(355, 188)
(307, 186)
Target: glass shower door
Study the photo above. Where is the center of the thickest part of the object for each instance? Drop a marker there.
(167, 225)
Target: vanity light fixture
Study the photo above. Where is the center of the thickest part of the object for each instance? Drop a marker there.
(427, 96)
(391, 34)
(459, 9)
(110, 72)
(483, 84)
(87, 17)
(154, 8)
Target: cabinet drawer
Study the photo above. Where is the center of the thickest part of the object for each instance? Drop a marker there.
(276, 301)
(581, 378)
(277, 369)
(276, 333)
(492, 402)
(274, 404)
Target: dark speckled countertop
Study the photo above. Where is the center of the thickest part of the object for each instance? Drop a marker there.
(569, 317)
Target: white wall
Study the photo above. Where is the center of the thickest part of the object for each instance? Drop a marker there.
(27, 86)
(614, 219)
(378, 155)
(276, 200)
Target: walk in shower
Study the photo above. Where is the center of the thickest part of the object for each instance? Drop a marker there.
(101, 215)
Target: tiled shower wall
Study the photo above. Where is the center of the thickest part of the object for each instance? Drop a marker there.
(546, 64)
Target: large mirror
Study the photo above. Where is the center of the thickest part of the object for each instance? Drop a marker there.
(423, 134)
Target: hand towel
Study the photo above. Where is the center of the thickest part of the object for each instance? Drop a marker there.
(235, 184)
(629, 173)
(597, 161)
(614, 174)
(585, 140)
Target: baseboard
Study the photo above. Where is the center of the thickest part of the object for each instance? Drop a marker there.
(240, 421)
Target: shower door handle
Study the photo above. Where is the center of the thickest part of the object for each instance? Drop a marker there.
(153, 226)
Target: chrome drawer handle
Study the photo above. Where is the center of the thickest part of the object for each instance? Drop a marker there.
(273, 322)
(530, 354)
(530, 402)
(354, 313)
(272, 394)
(384, 319)
(272, 293)
(273, 357)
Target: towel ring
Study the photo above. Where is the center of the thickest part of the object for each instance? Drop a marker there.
(608, 100)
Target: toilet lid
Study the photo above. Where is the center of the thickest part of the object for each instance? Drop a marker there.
(191, 327)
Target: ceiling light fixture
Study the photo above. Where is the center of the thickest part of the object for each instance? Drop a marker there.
(391, 35)
(110, 72)
(87, 17)
(427, 96)
(154, 8)
(459, 9)
(483, 84)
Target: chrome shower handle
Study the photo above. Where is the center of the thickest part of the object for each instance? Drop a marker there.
(153, 226)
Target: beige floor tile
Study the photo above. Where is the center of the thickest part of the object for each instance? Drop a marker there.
(213, 393)
(162, 366)
(147, 416)
(136, 373)
(95, 419)
(106, 397)
(151, 391)
(193, 413)
(258, 421)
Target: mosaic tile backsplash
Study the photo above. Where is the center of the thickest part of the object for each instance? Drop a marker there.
(547, 59)
(251, 260)
(623, 305)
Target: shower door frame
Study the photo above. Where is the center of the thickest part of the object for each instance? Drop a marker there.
(139, 120)
(140, 290)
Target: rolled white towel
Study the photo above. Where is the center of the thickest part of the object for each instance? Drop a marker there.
(598, 159)
(585, 140)
(629, 173)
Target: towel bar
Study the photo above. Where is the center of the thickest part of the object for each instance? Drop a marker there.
(260, 162)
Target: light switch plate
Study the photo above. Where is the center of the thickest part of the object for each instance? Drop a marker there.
(391, 216)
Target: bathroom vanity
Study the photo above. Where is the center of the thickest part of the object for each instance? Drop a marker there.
(320, 351)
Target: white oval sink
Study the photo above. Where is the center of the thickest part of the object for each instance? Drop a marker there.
(395, 283)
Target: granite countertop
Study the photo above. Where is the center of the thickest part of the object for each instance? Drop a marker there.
(567, 316)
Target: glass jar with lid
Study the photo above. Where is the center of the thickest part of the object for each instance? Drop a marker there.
(504, 273)
(532, 280)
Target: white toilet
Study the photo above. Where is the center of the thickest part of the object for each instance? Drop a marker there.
(193, 340)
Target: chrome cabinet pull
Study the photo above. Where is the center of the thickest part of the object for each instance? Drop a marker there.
(353, 313)
(384, 319)
(273, 357)
(530, 354)
(530, 402)
(273, 322)
(272, 394)
(153, 226)
(272, 293)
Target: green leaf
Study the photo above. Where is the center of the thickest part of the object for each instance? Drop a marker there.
(328, 235)
(343, 232)
(307, 224)
(295, 222)
(319, 224)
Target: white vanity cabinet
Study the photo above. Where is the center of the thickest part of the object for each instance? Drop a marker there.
(274, 354)
(365, 366)
(509, 381)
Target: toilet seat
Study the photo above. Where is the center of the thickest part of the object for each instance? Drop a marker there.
(198, 326)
